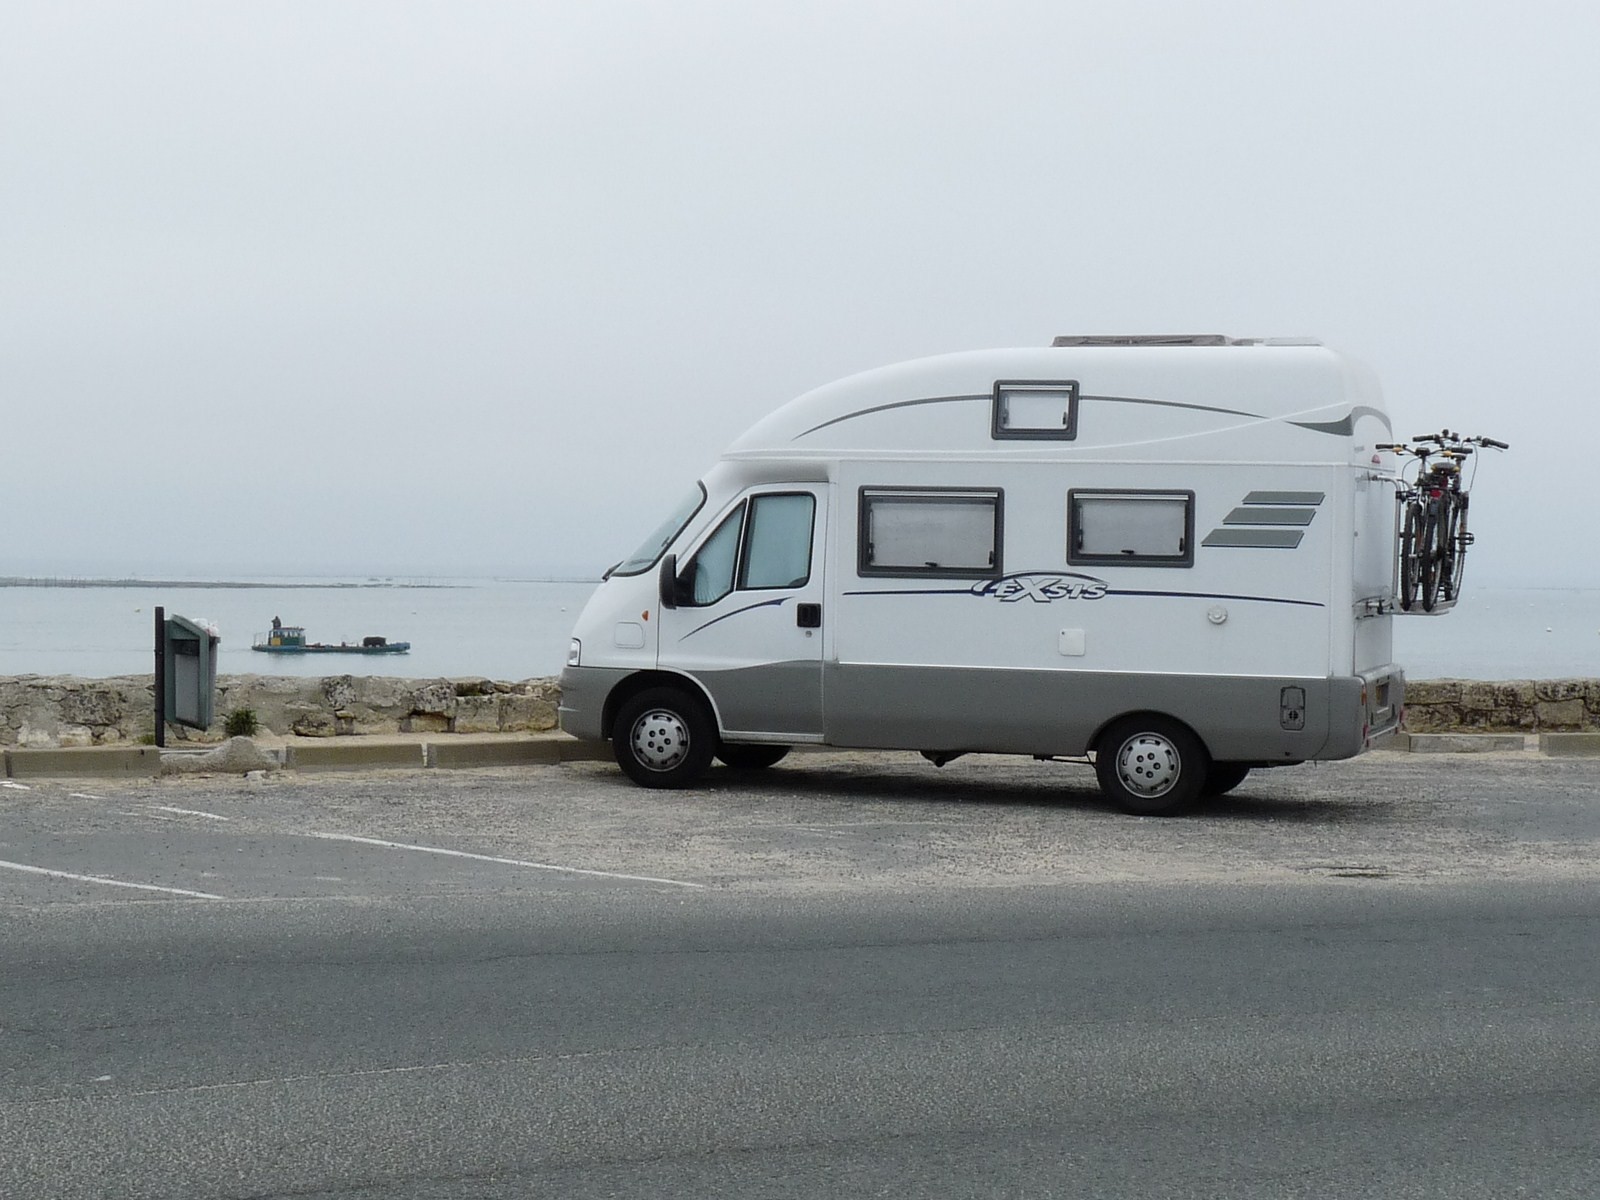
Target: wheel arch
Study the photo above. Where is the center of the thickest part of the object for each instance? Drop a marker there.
(643, 680)
(1143, 714)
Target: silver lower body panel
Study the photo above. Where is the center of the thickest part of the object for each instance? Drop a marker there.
(1239, 718)
(1014, 711)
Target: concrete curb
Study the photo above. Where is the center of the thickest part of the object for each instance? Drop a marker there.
(573, 750)
(1462, 743)
(90, 762)
(344, 756)
(335, 754)
(1570, 745)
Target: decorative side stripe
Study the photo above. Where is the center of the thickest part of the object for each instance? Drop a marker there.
(1283, 498)
(1270, 516)
(1229, 412)
(1279, 539)
(964, 591)
(886, 407)
(1345, 427)
(734, 613)
(1219, 596)
(1111, 592)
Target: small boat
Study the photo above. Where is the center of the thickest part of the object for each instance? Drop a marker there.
(291, 639)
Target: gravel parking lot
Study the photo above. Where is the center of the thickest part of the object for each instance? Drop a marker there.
(819, 822)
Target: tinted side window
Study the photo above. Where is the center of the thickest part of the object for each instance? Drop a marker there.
(710, 572)
(778, 547)
(1134, 528)
(930, 532)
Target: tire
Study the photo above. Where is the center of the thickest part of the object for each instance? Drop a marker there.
(1449, 518)
(1223, 777)
(664, 738)
(1459, 541)
(1151, 766)
(1432, 559)
(750, 757)
(1410, 556)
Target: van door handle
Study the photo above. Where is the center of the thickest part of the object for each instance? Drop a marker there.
(808, 616)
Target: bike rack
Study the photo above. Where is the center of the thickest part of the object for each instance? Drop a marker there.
(1392, 606)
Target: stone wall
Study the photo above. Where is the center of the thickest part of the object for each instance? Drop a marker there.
(58, 710)
(1518, 705)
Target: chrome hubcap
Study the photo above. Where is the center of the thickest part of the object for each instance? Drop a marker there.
(660, 739)
(1148, 765)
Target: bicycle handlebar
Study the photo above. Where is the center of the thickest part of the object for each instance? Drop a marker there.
(1445, 438)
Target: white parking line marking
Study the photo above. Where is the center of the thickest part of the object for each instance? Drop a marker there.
(510, 862)
(83, 796)
(192, 812)
(16, 787)
(143, 816)
(143, 887)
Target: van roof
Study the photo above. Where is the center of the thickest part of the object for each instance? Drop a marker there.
(1269, 398)
(1174, 339)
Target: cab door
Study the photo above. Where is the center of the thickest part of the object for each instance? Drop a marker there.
(749, 615)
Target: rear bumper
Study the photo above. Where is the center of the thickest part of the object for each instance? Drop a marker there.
(1363, 709)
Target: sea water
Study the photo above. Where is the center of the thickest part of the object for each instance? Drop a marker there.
(518, 629)
(498, 628)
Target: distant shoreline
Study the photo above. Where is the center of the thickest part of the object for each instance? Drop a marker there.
(74, 581)
(22, 582)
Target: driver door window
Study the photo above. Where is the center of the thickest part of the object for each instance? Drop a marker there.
(711, 572)
(764, 544)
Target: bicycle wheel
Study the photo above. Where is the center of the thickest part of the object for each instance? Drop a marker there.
(1410, 559)
(1432, 555)
(1461, 539)
(1447, 547)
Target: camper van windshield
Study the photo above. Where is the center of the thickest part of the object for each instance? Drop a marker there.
(646, 555)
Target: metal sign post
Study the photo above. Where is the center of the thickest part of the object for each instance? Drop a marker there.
(161, 677)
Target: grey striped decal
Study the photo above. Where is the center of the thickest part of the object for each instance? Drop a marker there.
(1279, 539)
(1312, 498)
(1269, 516)
(1258, 523)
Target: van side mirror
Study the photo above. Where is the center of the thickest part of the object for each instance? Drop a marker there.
(669, 581)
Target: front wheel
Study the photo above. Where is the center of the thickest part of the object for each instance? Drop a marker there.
(664, 738)
(1151, 766)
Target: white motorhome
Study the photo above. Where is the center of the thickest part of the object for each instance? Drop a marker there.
(1174, 556)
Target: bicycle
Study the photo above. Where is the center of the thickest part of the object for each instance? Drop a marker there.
(1434, 536)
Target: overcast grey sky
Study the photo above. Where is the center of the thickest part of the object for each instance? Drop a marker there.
(405, 287)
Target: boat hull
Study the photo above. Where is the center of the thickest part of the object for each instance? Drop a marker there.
(392, 648)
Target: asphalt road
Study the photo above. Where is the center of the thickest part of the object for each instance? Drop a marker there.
(851, 976)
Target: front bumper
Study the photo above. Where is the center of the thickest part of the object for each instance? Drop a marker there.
(584, 691)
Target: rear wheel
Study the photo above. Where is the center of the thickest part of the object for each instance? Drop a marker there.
(750, 757)
(1411, 556)
(1151, 766)
(1432, 554)
(664, 737)
(1223, 777)
(1460, 539)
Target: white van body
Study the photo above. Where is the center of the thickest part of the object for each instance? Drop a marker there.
(1014, 550)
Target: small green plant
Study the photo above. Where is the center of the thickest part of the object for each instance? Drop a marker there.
(146, 739)
(241, 722)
